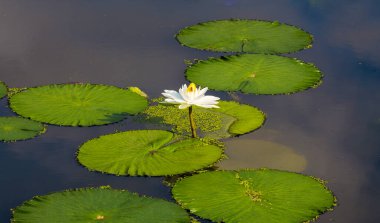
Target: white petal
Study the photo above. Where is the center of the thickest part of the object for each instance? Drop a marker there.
(183, 106)
(191, 95)
(184, 87)
(208, 99)
(170, 92)
(167, 95)
(201, 93)
(171, 101)
(173, 95)
(186, 99)
(182, 91)
(208, 106)
(211, 97)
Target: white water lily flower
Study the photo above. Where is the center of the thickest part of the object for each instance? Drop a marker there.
(188, 96)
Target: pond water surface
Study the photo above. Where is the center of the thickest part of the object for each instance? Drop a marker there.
(331, 132)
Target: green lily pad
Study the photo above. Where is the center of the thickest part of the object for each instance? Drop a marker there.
(77, 104)
(147, 152)
(3, 90)
(251, 36)
(257, 196)
(17, 128)
(255, 73)
(231, 119)
(98, 205)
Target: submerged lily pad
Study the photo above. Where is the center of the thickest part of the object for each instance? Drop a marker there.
(248, 153)
(147, 152)
(98, 205)
(3, 89)
(77, 104)
(255, 196)
(255, 73)
(251, 36)
(17, 128)
(230, 119)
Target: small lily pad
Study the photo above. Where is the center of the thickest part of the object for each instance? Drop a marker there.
(231, 119)
(3, 90)
(147, 152)
(257, 196)
(98, 205)
(77, 104)
(251, 36)
(17, 128)
(255, 73)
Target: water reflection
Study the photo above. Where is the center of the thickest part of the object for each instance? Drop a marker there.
(128, 43)
(246, 153)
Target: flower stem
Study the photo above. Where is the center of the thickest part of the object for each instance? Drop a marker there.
(192, 123)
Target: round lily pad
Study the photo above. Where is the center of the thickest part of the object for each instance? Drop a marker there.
(77, 104)
(98, 205)
(17, 128)
(3, 89)
(147, 152)
(230, 119)
(255, 196)
(251, 36)
(255, 73)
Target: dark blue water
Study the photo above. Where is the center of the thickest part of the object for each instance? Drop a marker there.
(335, 128)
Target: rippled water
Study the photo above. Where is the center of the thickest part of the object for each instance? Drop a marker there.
(331, 132)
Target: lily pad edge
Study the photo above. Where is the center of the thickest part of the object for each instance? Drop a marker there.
(6, 90)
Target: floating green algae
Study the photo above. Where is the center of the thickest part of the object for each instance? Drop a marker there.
(230, 119)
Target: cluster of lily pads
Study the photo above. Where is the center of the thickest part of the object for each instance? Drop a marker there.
(249, 195)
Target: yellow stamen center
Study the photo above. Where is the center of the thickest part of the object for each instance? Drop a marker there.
(99, 217)
(191, 87)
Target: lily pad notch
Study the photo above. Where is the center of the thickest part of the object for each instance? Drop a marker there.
(18, 128)
(98, 205)
(245, 36)
(147, 153)
(77, 104)
(257, 196)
